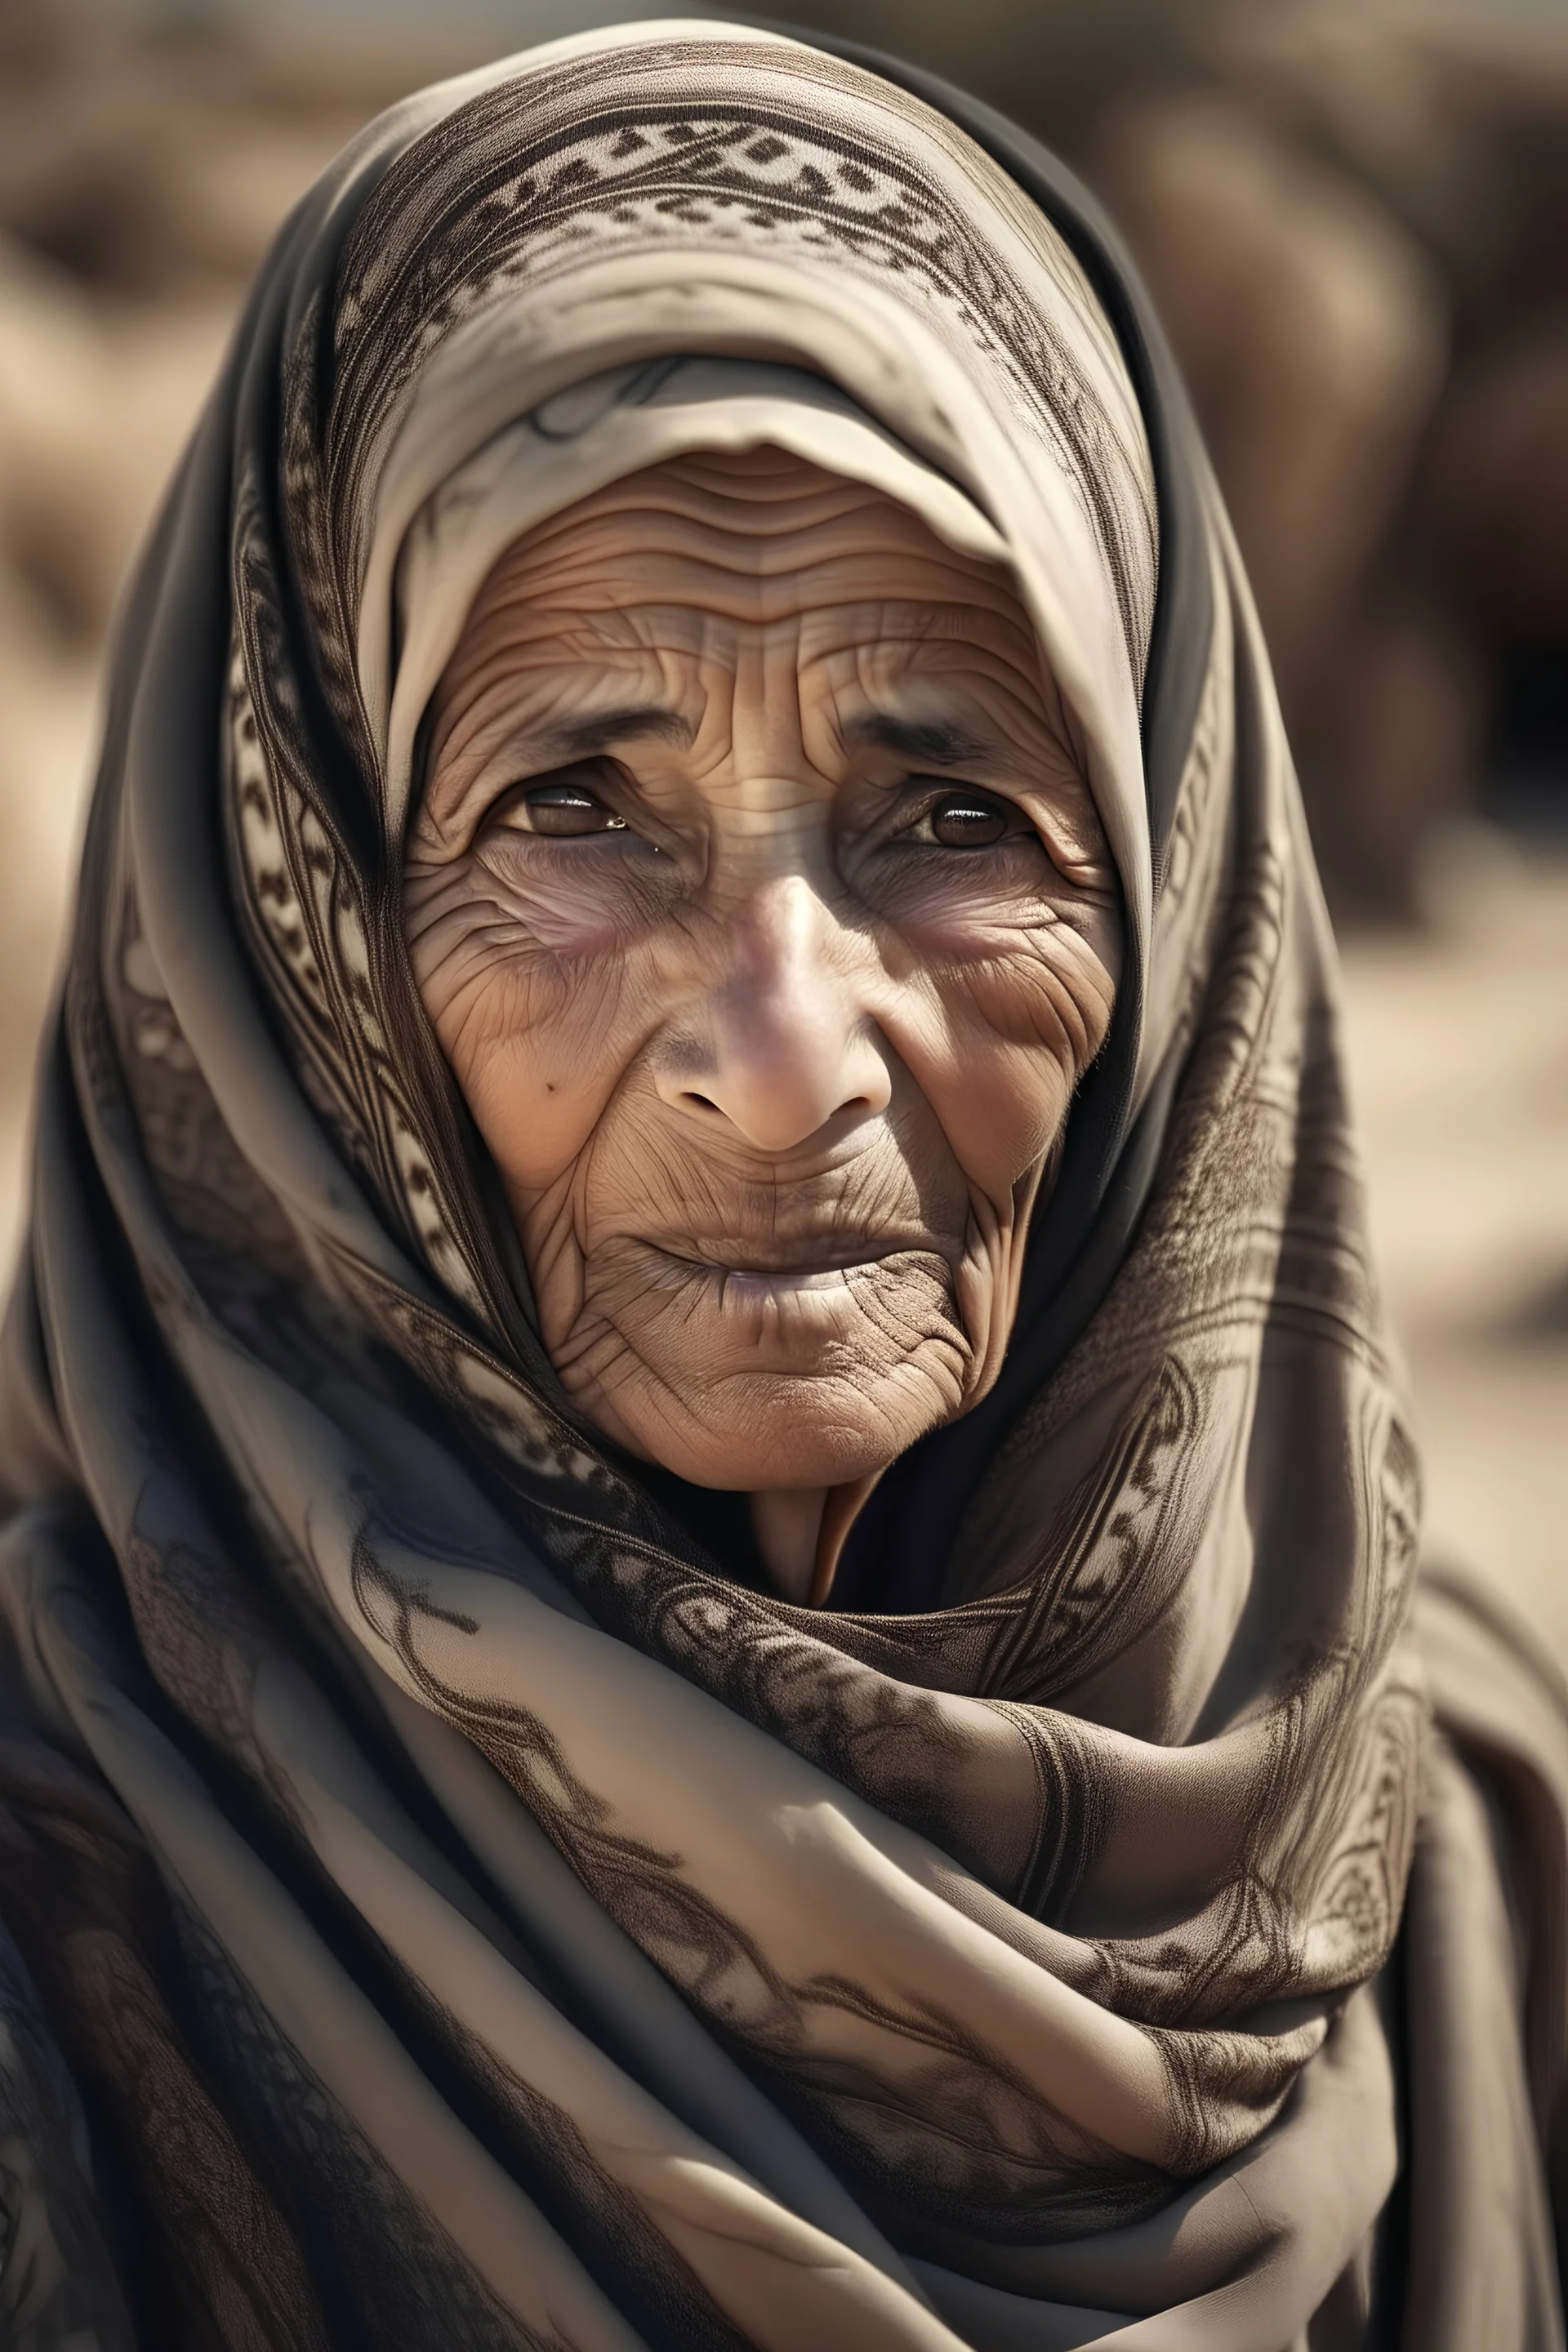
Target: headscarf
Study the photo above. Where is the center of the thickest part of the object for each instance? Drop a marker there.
(442, 1905)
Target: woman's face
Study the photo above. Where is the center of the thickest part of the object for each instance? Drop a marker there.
(766, 922)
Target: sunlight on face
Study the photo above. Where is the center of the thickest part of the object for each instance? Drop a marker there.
(765, 919)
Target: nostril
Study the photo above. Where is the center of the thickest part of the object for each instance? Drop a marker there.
(856, 1105)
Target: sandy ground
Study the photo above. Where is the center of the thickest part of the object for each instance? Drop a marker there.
(1458, 1034)
(1459, 1043)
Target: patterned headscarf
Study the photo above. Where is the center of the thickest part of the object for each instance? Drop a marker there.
(468, 1914)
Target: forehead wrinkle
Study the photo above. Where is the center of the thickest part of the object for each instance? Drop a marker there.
(590, 661)
(760, 510)
(1000, 687)
(749, 495)
(620, 604)
(599, 570)
(921, 632)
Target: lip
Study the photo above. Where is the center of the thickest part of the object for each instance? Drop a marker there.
(745, 1282)
(813, 1290)
(819, 1266)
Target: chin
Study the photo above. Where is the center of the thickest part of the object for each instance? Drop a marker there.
(768, 1434)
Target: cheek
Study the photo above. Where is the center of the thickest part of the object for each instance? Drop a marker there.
(568, 901)
(535, 1004)
(1009, 1017)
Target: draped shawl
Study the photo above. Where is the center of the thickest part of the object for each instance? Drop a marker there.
(440, 1902)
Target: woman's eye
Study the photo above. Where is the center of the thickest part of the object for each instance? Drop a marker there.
(563, 812)
(967, 820)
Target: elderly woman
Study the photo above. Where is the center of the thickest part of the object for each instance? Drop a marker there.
(709, 1577)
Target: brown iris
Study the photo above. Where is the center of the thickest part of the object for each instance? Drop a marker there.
(968, 821)
(562, 810)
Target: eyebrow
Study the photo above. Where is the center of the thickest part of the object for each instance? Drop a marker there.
(935, 742)
(582, 739)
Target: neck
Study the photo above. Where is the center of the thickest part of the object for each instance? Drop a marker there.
(787, 1524)
(801, 1532)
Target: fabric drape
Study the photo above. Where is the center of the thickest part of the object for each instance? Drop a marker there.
(441, 1904)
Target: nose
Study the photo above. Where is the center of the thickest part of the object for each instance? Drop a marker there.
(785, 1045)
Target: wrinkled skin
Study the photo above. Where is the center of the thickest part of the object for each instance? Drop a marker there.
(765, 919)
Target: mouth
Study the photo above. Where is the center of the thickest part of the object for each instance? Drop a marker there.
(810, 1287)
(790, 1333)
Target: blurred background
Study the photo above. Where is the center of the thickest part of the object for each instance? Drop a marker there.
(1355, 215)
